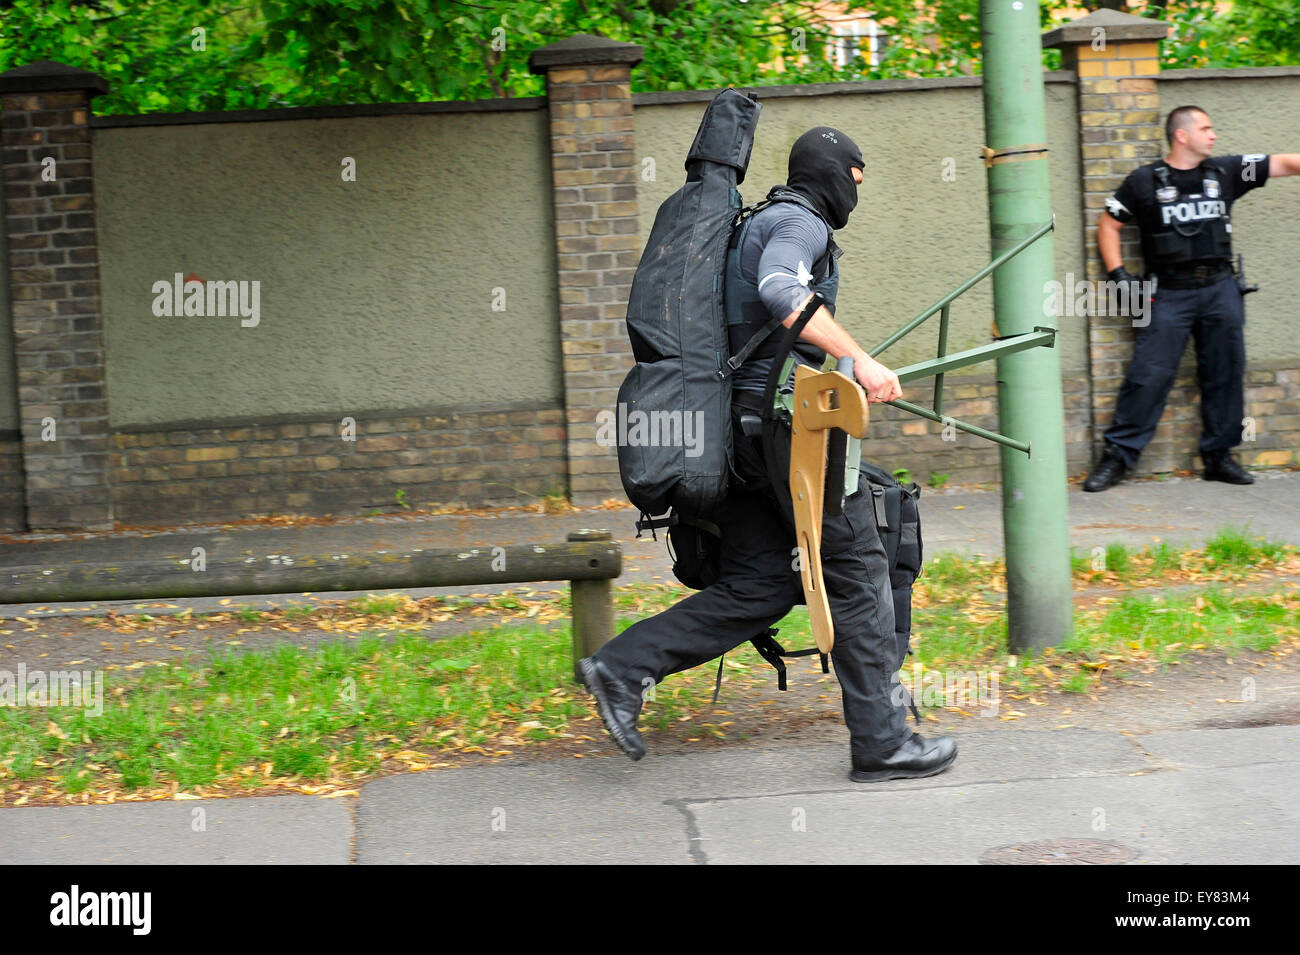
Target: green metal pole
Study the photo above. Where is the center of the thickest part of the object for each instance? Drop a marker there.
(1035, 523)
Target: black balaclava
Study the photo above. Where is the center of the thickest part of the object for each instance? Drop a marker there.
(820, 168)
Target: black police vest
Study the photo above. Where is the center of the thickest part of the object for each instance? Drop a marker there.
(1187, 229)
(746, 313)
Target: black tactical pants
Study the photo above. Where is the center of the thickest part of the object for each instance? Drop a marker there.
(1215, 317)
(760, 583)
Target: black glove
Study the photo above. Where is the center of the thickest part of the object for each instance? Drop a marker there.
(1137, 304)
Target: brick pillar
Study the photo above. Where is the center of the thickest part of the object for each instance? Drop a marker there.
(593, 174)
(1116, 58)
(49, 210)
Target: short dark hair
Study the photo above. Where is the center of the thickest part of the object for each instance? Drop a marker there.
(1178, 119)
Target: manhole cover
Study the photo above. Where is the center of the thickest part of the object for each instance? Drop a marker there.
(1060, 852)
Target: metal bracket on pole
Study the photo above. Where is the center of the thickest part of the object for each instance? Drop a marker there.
(973, 356)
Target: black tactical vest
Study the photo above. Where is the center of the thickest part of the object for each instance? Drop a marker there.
(1187, 229)
(746, 313)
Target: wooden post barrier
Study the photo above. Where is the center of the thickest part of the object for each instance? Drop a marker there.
(589, 560)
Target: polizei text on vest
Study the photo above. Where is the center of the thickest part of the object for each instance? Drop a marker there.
(1194, 211)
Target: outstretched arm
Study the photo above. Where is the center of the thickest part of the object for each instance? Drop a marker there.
(1283, 164)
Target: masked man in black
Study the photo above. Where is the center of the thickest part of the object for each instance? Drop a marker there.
(786, 252)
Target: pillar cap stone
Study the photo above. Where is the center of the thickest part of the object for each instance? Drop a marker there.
(1118, 27)
(46, 76)
(584, 49)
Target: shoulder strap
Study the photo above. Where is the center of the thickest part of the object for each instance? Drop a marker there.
(743, 218)
(771, 651)
(821, 269)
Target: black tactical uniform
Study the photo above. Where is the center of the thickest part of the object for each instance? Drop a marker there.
(784, 251)
(1184, 219)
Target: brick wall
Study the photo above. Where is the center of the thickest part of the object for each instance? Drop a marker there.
(231, 471)
(12, 510)
(593, 174)
(1272, 434)
(53, 276)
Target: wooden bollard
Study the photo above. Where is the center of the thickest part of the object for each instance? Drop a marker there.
(593, 607)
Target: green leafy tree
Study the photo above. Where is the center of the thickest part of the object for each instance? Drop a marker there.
(181, 55)
(173, 55)
(468, 50)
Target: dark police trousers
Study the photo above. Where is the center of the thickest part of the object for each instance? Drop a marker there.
(1215, 316)
(759, 584)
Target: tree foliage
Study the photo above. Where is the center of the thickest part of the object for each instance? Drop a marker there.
(179, 55)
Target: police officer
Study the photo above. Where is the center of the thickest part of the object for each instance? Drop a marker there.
(1181, 206)
(786, 252)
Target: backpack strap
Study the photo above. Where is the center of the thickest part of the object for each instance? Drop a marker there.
(647, 522)
(771, 651)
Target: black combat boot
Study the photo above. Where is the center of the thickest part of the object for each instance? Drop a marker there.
(618, 706)
(1110, 470)
(915, 758)
(1222, 466)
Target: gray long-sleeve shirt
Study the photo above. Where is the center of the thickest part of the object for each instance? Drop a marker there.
(781, 246)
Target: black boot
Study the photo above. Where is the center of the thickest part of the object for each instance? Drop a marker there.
(618, 706)
(1222, 466)
(915, 758)
(1110, 470)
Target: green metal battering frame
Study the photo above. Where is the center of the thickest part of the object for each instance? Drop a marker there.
(943, 362)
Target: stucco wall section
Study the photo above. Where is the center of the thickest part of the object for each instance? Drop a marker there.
(375, 294)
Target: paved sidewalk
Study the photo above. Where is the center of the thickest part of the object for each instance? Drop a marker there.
(1193, 796)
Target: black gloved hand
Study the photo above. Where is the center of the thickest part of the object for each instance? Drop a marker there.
(1138, 305)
